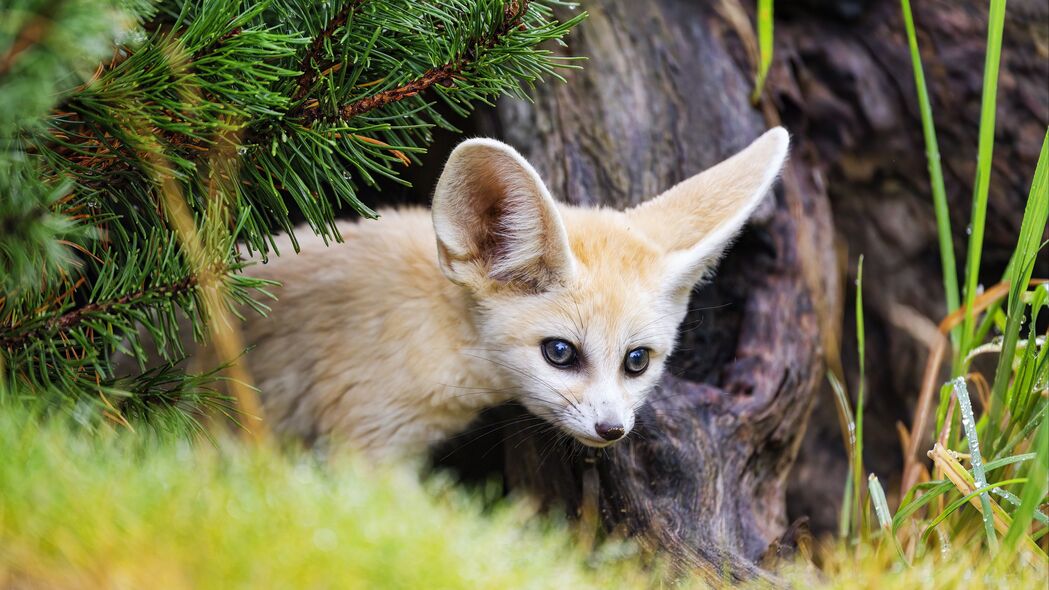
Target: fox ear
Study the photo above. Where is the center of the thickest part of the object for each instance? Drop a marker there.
(495, 221)
(697, 219)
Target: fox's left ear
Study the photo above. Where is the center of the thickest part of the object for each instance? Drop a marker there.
(697, 219)
(496, 223)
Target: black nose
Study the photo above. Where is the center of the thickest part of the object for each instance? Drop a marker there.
(609, 431)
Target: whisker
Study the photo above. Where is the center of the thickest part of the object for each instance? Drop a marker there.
(529, 376)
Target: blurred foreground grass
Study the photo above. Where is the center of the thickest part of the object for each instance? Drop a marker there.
(84, 510)
(80, 509)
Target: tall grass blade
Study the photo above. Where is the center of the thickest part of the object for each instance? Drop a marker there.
(764, 47)
(961, 392)
(981, 184)
(848, 433)
(857, 464)
(939, 194)
(1032, 228)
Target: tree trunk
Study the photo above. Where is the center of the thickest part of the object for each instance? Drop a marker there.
(703, 478)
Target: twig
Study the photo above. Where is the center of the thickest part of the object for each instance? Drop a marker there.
(512, 17)
(72, 318)
(309, 73)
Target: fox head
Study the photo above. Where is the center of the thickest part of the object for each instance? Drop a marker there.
(579, 308)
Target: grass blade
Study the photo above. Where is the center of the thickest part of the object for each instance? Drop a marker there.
(764, 47)
(932, 153)
(848, 434)
(1015, 501)
(882, 512)
(857, 483)
(961, 392)
(982, 183)
(1032, 228)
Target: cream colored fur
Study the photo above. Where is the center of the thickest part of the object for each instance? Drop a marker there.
(397, 338)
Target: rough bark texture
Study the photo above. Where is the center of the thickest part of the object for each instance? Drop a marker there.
(703, 477)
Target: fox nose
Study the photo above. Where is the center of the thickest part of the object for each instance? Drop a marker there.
(609, 432)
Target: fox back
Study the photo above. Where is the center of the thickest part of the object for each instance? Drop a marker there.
(397, 338)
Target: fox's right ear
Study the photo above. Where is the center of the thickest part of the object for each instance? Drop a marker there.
(696, 219)
(496, 223)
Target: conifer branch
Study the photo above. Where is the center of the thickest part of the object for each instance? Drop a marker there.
(512, 19)
(309, 73)
(74, 317)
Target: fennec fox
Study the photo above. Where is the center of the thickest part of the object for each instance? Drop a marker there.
(399, 337)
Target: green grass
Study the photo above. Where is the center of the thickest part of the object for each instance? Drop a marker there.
(82, 509)
(993, 504)
(948, 265)
(982, 183)
(765, 38)
(876, 566)
(86, 509)
(860, 516)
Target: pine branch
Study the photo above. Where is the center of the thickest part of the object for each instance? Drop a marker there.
(94, 154)
(309, 73)
(512, 16)
(88, 155)
(73, 318)
(103, 155)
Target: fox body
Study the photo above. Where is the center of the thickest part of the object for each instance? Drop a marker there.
(397, 338)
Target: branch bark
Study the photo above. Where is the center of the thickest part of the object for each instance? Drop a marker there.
(512, 16)
(309, 72)
(74, 317)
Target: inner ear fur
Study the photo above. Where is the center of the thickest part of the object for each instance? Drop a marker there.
(495, 221)
(697, 219)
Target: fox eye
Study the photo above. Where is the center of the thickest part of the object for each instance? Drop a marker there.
(559, 353)
(636, 361)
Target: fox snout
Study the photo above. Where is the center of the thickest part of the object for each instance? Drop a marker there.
(608, 426)
(610, 431)
(604, 433)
